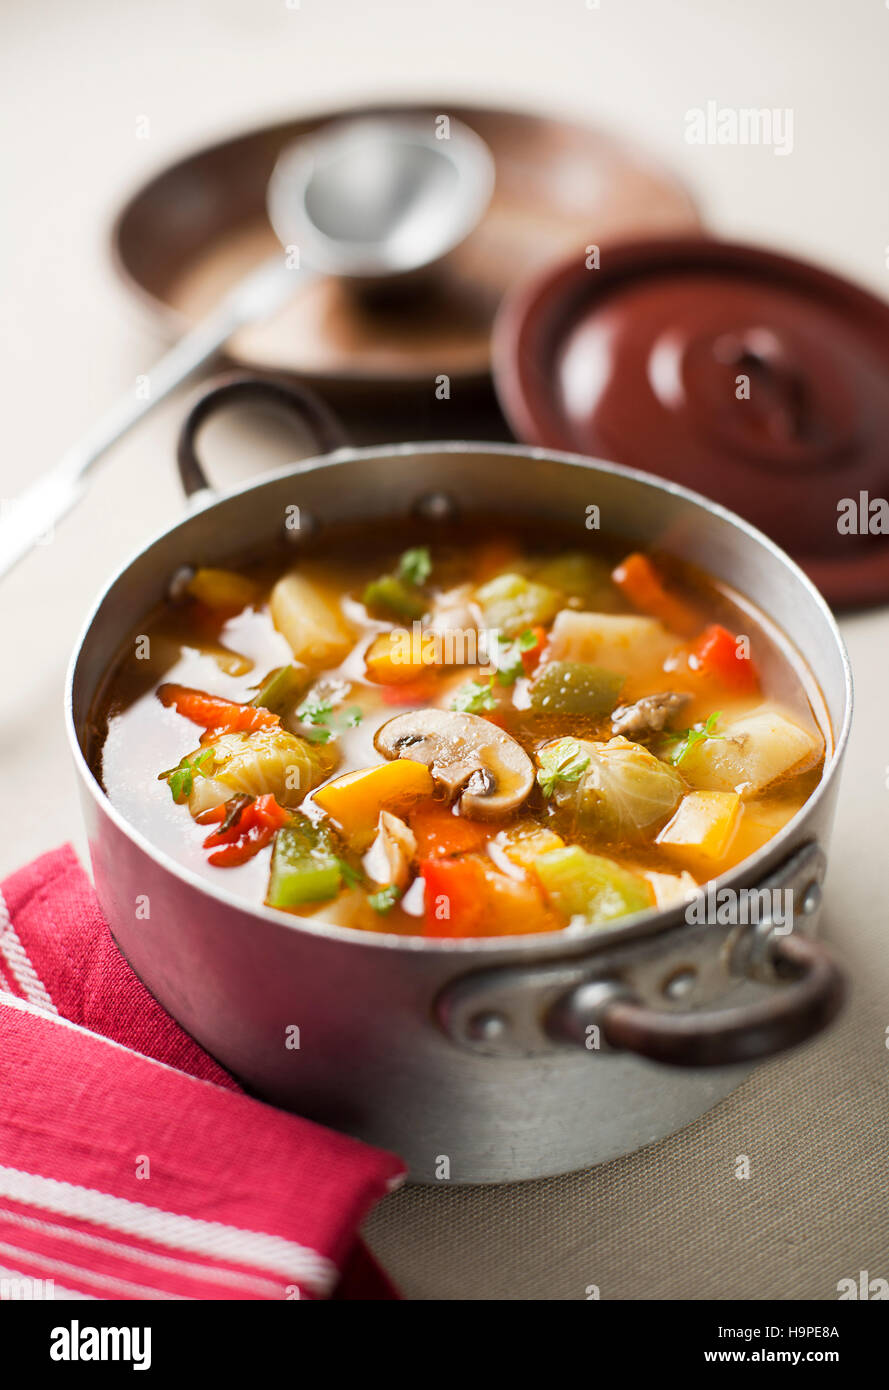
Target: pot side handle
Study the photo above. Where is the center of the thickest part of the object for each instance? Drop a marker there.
(286, 397)
(810, 995)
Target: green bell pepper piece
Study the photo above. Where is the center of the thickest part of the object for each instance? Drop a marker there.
(305, 868)
(394, 598)
(575, 687)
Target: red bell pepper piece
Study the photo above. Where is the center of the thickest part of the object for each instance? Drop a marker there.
(440, 834)
(717, 653)
(250, 831)
(455, 896)
(418, 692)
(468, 897)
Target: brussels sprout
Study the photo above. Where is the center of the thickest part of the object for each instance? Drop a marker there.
(623, 790)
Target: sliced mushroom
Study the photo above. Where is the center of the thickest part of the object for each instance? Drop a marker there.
(388, 861)
(650, 715)
(465, 754)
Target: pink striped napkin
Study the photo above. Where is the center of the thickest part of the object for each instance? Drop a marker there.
(131, 1166)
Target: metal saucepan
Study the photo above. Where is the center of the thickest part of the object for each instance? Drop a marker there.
(481, 1060)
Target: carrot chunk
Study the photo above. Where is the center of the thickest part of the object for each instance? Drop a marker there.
(215, 712)
(639, 581)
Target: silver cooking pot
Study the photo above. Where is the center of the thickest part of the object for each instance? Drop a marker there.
(477, 1060)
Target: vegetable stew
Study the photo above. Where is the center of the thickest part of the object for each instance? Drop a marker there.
(458, 731)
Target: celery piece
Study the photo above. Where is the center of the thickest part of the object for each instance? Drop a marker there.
(587, 885)
(394, 598)
(305, 868)
(583, 577)
(511, 603)
(575, 687)
(281, 688)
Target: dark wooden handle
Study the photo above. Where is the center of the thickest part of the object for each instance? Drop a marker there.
(798, 1008)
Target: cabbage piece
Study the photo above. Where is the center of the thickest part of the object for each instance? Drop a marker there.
(618, 788)
(510, 603)
(269, 760)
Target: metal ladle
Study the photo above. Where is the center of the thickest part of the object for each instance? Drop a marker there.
(366, 199)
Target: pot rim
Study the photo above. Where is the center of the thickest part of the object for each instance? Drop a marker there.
(642, 924)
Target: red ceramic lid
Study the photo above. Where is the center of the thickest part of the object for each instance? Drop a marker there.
(757, 380)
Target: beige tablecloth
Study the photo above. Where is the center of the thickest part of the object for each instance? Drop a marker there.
(674, 1220)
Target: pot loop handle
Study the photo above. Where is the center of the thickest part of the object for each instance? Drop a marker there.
(717, 1037)
(277, 393)
(601, 1002)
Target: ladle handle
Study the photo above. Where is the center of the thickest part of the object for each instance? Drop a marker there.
(29, 519)
(250, 388)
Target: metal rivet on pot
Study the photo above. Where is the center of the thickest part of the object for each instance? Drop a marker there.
(436, 506)
(680, 983)
(486, 1027)
(811, 899)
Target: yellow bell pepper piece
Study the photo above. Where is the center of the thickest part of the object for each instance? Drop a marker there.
(222, 588)
(702, 829)
(355, 800)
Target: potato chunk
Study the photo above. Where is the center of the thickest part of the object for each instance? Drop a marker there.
(751, 753)
(620, 643)
(317, 632)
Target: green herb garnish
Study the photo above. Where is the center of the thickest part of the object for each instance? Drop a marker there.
(181, 779)
(690, 738)
(323, 723)
(315, 711)
(474, 697)
(386, 899)
(509, 659)
(351, 877)
(415, 566)
(561, 762)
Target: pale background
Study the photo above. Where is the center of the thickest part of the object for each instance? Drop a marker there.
(75, 79)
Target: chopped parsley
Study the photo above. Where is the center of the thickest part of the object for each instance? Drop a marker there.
(415, 566)
(688, 739)
(474, 697)
(181, 779)
(386, 899)
(351, 877)
(509, 657)
(322, 723)
(561, 762)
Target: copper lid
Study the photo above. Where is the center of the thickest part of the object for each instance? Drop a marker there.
(755, 379)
